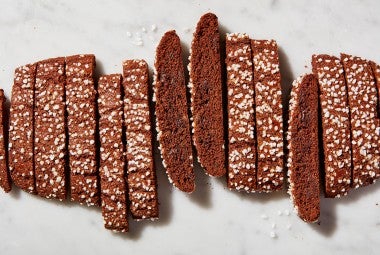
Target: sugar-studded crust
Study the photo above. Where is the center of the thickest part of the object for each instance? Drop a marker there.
(112, 166)
(173, 128)
(49, 129)
(206, 96)
(21, 128)
(241, 119)
(376, 72)
(81, 125)
(303, 158)
(269, 121)
(362, 98)
(142, 183)
(5, 180)
(335, 118)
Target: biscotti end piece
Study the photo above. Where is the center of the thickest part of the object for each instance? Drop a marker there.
(82, 127)
(206, 96)
(303, 158)
(269, 120)
(241, 119)
(142, 182)
(173, 128)
(49, 129)
(362, 98)
(5, 180)
(112, 167)
(335, 119)
(21, 128)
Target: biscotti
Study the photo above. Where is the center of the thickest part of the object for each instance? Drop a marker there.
(142, 183)
(5, 180)
(49, 129)
(362, 98)
(81, 125)
(241, 119)
(112, 167)
(173, 128)
(206, 89)
(303, 158)
(21, 128)
(269, 122)
(335, 119)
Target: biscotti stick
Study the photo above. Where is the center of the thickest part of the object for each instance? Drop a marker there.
(49, 129)
(173, 128)
(5, 180)
(303, 158)
(241, 119)
(112, 167)
(21, 128)
(142, 183)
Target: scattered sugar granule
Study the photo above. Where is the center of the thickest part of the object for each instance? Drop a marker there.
(264, 216)
(289, 226)
(279, 212)
(273, 234)
(154, 28)
(187, 30)
(286, 212)
(144, 30)
(273, 225)
(129, 34)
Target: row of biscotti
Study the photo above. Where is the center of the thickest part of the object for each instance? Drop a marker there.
(348, 121)
(254, 108)
(62, 125)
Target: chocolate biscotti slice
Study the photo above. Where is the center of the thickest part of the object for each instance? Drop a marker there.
(173, 128)
(49, 129)
(142, 183)
(335, 119)
(303, 158)
(21, 128)
(241, 119)
(362, 98)
(112, 167)
(376, 72)
(5, 178)
(81, 125)
(269, 122)
(206, 96)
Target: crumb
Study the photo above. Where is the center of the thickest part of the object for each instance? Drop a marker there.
(187, 30)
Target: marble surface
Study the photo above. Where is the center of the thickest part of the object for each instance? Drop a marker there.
(212, 220)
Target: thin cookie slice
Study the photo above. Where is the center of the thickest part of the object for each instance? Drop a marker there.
(142, 182)
(21, 129)
(81, 125)
(206, 96)
(49, 129)
(112, 167)
(303, 159)
(362, 98)
(5, 178)
(241, 119)
(173, 128)
(335, 118)
(376, 72)
(269, 121)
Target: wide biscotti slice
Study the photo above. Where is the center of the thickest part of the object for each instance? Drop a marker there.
(81, 126)
(362, 98)
(5, 178)
(173, 128)
(241, 118)
(335, 118)
(269, 121)
(112, 167)
(21, 128)
(142, 182)
(303, 158)
(206, 96)
(49, 129)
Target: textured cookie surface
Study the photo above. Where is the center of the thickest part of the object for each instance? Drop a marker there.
(5, 180)
(303, 158)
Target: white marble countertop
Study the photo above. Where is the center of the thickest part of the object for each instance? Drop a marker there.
(213, 220)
